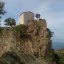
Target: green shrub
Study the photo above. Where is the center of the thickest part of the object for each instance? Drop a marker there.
(50, 33)
(3, 61)
(56, 58)
(21, 31)
(10, 58)
(1, 30)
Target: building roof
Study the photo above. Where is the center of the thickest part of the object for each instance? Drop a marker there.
(25, 12)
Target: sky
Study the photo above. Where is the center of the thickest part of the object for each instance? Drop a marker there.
(51, 10)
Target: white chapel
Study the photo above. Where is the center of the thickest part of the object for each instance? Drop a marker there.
(25, 16)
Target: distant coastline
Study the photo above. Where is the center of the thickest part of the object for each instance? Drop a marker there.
(57, 45)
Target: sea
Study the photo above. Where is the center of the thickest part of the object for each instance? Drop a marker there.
(57, 45)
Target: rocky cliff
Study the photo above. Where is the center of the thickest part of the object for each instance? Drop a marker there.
(31, 42)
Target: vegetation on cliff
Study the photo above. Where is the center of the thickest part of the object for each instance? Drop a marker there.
(10, 58)
(21, 32)
(10, 22)
(1, 30)
(60, 53)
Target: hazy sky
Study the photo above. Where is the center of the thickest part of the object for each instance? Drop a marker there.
(51, 10)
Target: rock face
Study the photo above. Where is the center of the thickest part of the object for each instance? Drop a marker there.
(35, 49)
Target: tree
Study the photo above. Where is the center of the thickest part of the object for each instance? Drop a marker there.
(2, 11)
(37, 16)
(10, 22)
(50, 33)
